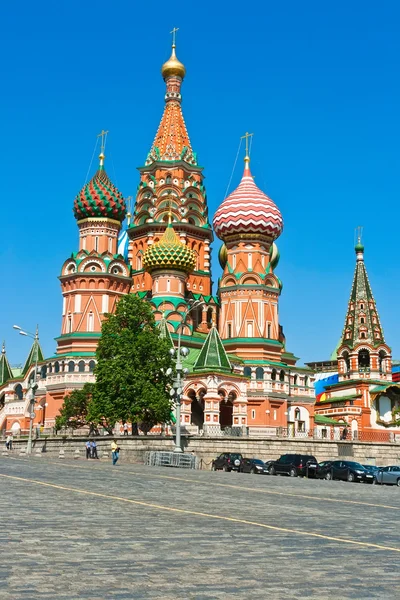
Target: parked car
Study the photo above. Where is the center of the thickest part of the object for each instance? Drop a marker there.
(324, 467)
(255, 466)
(388, 476)
(372, 468)
(227, 461)
(346, 470)
(295, 465)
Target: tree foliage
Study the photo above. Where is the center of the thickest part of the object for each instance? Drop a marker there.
(74, 411)
(132, 360)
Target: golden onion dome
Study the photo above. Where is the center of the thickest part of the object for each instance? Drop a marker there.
(173, 66)
(169, 253)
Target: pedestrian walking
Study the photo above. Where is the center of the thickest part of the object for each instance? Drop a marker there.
(93, 449)
(125, 428)
(8, 442)
(87, 449)
(114, 452)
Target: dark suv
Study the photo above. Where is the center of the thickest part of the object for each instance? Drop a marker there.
(294, 465)
(227, 461)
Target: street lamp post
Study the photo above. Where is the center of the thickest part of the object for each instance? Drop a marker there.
(180, 352)
(34, 385)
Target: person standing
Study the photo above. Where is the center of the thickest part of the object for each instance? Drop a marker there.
(125, 428)
(93, 449)
(8, 442)
(114, 452)
(87, 449)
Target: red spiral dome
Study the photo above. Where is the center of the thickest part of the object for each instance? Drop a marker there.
(248, 210)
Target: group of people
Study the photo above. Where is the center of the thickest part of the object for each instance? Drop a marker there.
(9, 442)
(91, 449)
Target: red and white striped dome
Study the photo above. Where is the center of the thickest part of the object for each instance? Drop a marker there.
(248, 210)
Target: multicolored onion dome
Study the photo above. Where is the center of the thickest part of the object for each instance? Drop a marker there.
(274, 255)
(248, 210)
(100, 198)
(223, 256)
(169, 253)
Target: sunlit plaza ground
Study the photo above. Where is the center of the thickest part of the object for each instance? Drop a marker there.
(75, 530)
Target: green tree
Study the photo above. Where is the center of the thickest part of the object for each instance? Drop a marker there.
(132, 360)
(74, 411)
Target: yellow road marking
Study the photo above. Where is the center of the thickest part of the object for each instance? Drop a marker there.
(202, 514)
(235, 487)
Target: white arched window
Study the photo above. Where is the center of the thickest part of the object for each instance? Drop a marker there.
(90, 322)
(96, 243)
(69, 323)
(250, 330)
(249, 261)
(234, 261)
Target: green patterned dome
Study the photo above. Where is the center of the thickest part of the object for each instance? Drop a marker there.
(170, 253)
(100, 198)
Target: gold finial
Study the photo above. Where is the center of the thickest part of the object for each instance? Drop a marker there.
(103, 136)
(246, 136)
(173, 66)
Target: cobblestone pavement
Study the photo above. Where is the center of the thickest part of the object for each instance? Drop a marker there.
(87, 530)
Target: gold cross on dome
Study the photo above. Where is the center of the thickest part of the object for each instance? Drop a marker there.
(103, 136)
(246, 136)
(175, 29)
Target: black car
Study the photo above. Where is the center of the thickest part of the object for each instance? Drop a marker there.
(228, 461)
(295, 465)
(255, 466)
(346, 470)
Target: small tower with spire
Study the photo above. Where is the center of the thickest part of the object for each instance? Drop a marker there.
(5, 369)
(171, 187)
(363, 352)
(249, 222)
(93, 278)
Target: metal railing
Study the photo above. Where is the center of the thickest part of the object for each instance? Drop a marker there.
(181, 460)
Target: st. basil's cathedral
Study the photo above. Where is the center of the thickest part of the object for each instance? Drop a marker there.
(242, 379)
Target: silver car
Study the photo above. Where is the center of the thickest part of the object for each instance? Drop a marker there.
(388, 476)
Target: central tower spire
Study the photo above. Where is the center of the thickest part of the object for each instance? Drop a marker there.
(171, 190)
(172, 140)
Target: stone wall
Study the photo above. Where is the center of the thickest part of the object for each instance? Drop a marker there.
(133, 448)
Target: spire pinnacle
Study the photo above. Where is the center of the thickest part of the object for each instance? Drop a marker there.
(173, 67)
(359, 247)
(103, 135)
(3, 348)
(246, 137)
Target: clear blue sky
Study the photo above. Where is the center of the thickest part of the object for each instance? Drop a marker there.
(317, 83)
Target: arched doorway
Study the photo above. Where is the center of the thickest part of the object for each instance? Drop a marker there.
(197, 407)
(226, 409)
(354, 429)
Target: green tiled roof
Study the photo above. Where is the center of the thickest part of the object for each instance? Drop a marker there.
(35, 355)
(5, 369)
(340, 398)
(322, 420)
(212, 355)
